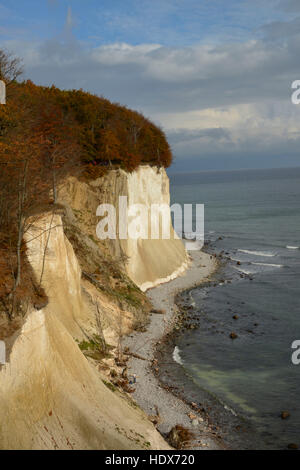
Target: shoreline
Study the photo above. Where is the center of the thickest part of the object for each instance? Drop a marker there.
(156, 399)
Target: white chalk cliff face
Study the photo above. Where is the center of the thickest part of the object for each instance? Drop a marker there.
(51, 396)
(149, 261)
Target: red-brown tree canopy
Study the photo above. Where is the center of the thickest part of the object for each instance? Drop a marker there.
(102, 132)
(47, 134)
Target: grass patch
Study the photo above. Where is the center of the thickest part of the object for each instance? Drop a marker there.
(96, 348)
(110, 386)
(93, 239)
(129, 295)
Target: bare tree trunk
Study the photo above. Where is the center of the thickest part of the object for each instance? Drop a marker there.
(19, 245)
(21, 222)
(46, 248)
(100, 329)
(135, 131)
(120, 336)
(54, 189)
(21, 228)
(158, 157)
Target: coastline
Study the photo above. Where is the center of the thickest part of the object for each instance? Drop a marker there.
(156, 399)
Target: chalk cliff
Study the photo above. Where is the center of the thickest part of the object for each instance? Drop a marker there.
(51, 396)
(149, 262)
(54, 393)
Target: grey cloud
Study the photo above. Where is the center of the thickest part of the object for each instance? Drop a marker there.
(289, 5)
(169, 79)
(252, 152)
(159, 80)
(282, 29)
(189, 135)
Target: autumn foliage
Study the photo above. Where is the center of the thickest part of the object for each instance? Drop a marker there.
(47, 134)
(106, 133)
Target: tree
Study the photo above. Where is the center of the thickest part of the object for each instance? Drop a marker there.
(109, 148)
(10, 66)
(59, 149)
(135, 127)
(47, 134)
(23, 187)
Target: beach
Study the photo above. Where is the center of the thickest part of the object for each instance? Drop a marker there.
(154, 398)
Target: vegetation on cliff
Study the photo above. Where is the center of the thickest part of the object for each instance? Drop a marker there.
(47, 134)
(103, 133)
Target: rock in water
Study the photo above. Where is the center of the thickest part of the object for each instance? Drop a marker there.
(293, 446)
(233, 335)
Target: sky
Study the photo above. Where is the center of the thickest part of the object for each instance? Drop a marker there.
(216, 75)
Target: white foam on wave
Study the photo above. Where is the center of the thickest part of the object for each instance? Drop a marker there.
(292, 247)
(244, 271)
(269, 265)
(176, 356)
(258, 253)
(192, 301)
(249, 272)
(226, 407)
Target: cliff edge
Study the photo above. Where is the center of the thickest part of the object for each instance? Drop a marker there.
(51, 395)
(65, 385)
(149, 262)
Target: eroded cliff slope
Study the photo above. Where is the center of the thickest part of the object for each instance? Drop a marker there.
(149, 262)
(64, 385)
(51, 395)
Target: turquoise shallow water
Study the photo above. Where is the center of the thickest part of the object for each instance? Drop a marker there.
(257, 215)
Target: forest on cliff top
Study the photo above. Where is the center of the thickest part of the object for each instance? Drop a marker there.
(47, 134)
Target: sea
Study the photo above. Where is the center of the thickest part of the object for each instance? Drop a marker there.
(252, 225)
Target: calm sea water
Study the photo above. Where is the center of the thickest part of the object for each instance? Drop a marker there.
(257, 215)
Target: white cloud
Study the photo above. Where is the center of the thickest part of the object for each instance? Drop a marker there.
(212, 99)
(264, 129)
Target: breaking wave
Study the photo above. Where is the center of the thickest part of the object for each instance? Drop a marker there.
(258, 253)
(176, 356)
(268, 264)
